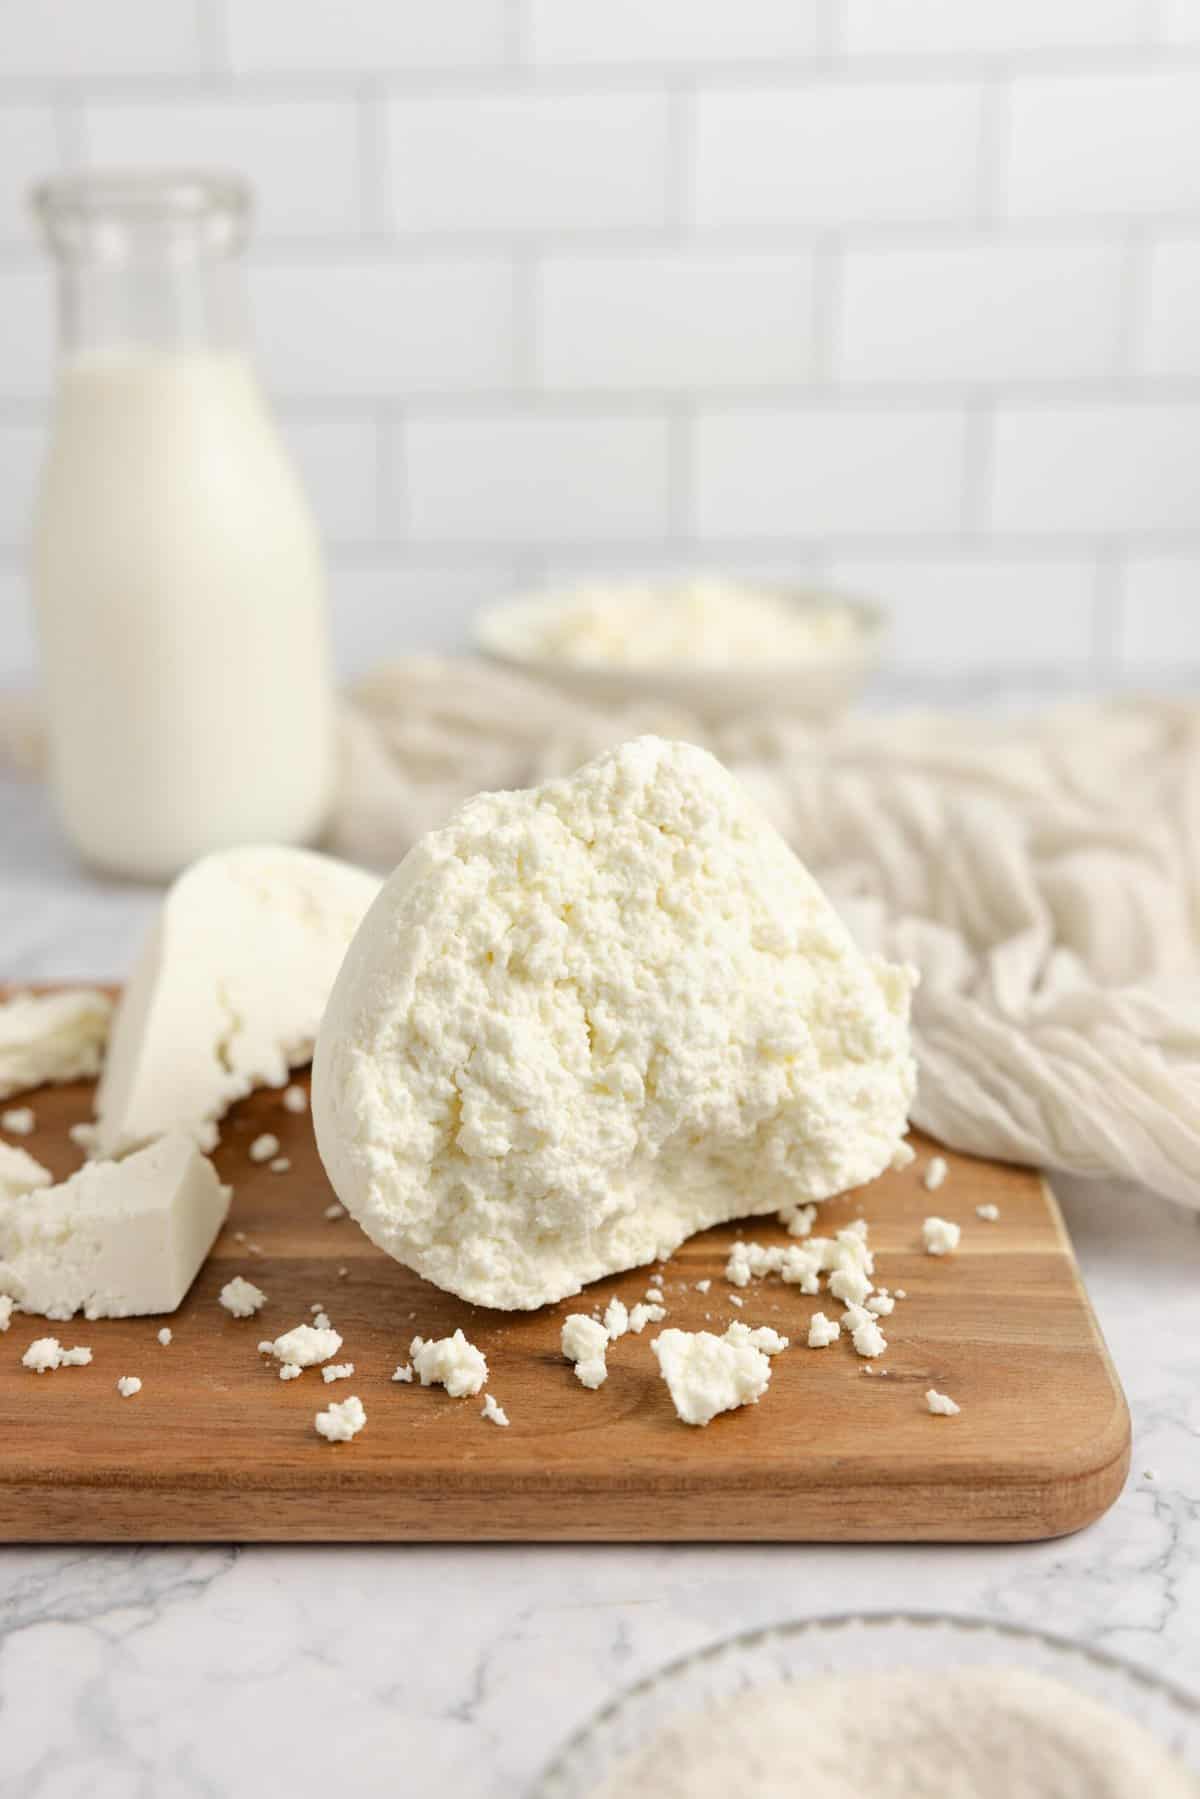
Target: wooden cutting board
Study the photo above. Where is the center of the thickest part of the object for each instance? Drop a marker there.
(215, 1446)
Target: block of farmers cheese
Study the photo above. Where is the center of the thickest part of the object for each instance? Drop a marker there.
(228, 990)
(116, 1240)
(584, 1021)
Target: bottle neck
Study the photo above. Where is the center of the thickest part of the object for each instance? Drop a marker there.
(115, 308)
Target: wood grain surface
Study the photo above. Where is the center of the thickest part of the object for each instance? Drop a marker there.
(215, 1446)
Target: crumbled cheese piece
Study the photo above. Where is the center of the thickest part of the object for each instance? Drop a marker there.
(850, 1285)
(228, 990)
(343, 1274)
(903, 1156)
(403, 1372)
(706, 1374)
(334, 1212)
(52, 1037)
(798, 1220)
(321, 1321)
(941, 1403)
(295, 1099)
(165, 1335)
(616, 1319)
(84, 1136)
(116, 1240)
(854, 1316)
(7, 1302)
(655, 1280)
(493, 1411)
(264, 1147)
(337, 1371)
(988, 1213)
(47, 1352)
(882, 1304)
(901, 1293)
(289, 1370)
(565, 945)
(764, 1338)
(868, 1339)
(646, 1312)
(19, 1121)
(941, 1236)
(128, 1385)
(585, 1342)
(703, 1286)
(936, 1172)
(735, 1300)
(450, 1362)
(20, 1172)
(823, 1331)
(241, 1297)
(338, 1423)
(315, 1307)
(305, 1345)
(280, 1164)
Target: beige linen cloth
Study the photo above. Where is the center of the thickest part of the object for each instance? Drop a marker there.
(1043, 875)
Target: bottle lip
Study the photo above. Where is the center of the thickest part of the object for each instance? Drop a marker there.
(168, 194)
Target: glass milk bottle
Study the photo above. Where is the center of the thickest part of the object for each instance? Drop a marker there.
(177, 575)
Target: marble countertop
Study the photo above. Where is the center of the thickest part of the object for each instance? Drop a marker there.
(207, 1672)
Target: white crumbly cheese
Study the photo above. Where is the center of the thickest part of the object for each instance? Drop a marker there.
(645, 1312)
(798, 1220)
(936, 1172)
(850, 1285)
(321, 1321)
(295, 1099)
(241, 1297)
(941, 1403)
(585, 1342)
(703, 1286)
(20, 1173)
(494, 1411)
(19, 1121)
(117, 1239)
(585, 1021)
(280, 1164)
(450, 1362)
(228, 990)
(263, 1148)
(165, 1335)
(404, 1372)
(940, 1236)
(289, 1370)
(868, 1339)
(706, 1374)
(303, 1346)
(52, 1037)
(337, 1371)
(6, 1310)
(83, 1136)
(823, 1331)
(128, 1385)
(45, 1353)
(334, 1212)
(338, 1423)
(903, 1156)
(616, 1319)
(882, 1304)
(988, 1213)
(760, 1337)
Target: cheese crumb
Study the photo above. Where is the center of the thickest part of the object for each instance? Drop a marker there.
(903, 1156)
(763, 1337)
(850, 1285)
(491, 1410)
(584, 1342)
(165, 1335)
(19, 1121)
(321, 1321)
(703, 1286)
(936, 1172)
(338, 1423)
(941, 1403)
(882, 1304)
(47, 1352)
(823, 1331)
(988, 1213)
(706, 1374)
(450, 1362)
(304, 1346)
(295, 1099)
(616, 1319)
(941, 1236)
(264, 1147)
(241, 1297)
(289, 1370)
(645, 1313)
(868, 1339)
(403, 1372)
(337, 1371)
(128, 1385)
(84, 1136)
(280, 1164)
(798, 1220)
(334, 1212)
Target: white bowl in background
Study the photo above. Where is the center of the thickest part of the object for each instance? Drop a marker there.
(816, 688)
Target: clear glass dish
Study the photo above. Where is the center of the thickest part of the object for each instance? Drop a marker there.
(856, 1643)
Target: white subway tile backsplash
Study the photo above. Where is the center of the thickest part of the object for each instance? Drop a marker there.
(1170, 343)
(78, 41)
(1105, 468)
(969, 27)
(1179, 21)
(675, 319)
(1158, 617)
(832, 152)
(386, 609)
(28, 335)
(817, 471)
(368, 327)
(528, 161)
(21, 450)
(18, 647)
(300, 155)
(672, 31)
(536, 478)
(368, 37)
(954, 612)
(1086, 145)
(28, 151)
(338, 462)
(980, 311)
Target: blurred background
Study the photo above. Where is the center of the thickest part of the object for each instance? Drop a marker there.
(904, 296)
